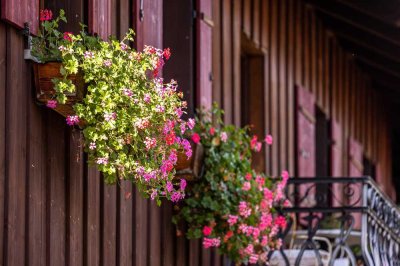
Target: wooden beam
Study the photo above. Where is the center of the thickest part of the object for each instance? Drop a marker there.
(392, 53)
(378, 66)
(385, 63)
(358, 20)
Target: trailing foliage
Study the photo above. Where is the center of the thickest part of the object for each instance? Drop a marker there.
(233, 207)
(131, 119)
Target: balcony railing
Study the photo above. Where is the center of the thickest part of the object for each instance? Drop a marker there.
(339, 221)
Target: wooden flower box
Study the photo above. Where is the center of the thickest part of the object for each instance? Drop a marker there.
(44, 73)
(190, 169)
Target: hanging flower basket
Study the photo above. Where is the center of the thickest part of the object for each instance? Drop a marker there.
(233, 207)
(190, 168)
(45, 92)
(129, 116)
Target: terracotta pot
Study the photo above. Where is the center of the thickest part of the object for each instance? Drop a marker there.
(190, 169)
(44, 73)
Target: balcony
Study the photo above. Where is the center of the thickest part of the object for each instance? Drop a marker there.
(339, 221)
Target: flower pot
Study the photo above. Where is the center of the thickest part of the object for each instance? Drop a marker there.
(190, 169)
(44, 73)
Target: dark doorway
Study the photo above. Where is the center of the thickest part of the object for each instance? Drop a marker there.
(322, 141)
(252, 96)
(369, 168)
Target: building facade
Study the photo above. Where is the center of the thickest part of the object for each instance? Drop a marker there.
(294, 69)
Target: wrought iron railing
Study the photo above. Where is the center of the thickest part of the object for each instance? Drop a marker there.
(339, 221)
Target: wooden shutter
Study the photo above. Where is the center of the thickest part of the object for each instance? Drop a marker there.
(355, 158)
(305, 128)
(356, 170)
(100, 18)
(204, 26)
(336, 162)
(17, 12)
(305, 133)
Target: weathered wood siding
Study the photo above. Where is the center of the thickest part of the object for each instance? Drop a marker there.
(55, 210)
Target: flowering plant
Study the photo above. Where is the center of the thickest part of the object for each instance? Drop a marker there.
(131, 119)
(233, 207)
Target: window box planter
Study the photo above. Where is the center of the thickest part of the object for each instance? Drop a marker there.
(43, 74)
(190, 169)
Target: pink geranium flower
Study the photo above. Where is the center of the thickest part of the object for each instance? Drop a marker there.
(207, 230)
(196, 138)
(224, 136)
(268, 139)
(51, 104)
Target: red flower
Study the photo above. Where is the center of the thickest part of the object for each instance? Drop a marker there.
(212, 131)
(167, 53)
(228, 235)
(67, 36)
(207, 230)
(248, 176)
(46, 15)
(253, 142)
(170, 138)
(196, 138)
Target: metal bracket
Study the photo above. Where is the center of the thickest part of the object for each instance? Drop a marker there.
(141, 11)
(28, 47)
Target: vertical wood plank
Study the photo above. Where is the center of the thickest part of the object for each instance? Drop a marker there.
(255, 25)
(327, 70)
(100, 17)
(182, 246)
(246, 17)
(227, 60)
(141, 236)
(314, 75)
(335, 79)
(16, 130)
(203, 55)
(168, 235)
(320, 67)
(109, 222)
(264, 24)
(306, 47)
(3, 156)
(267, 89)
(291, 68)
(154, 235)
(236, 35)
(126, 224)
(217, 52)
(76, 199)
(56, 177)
(194, 252)
(92, 241)
(299, 44)
(37, 186)
(274, 83)
(282, 90)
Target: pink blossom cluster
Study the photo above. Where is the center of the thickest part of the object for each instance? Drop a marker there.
(158, 57)
(150, 143)
(211, 242)
(110, 116)
(88, 55)
(127, 92)
(263, 233)
(51, 104)
(72, 120)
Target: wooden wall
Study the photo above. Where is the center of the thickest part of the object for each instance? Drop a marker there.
(55, 210)
(298, 49)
